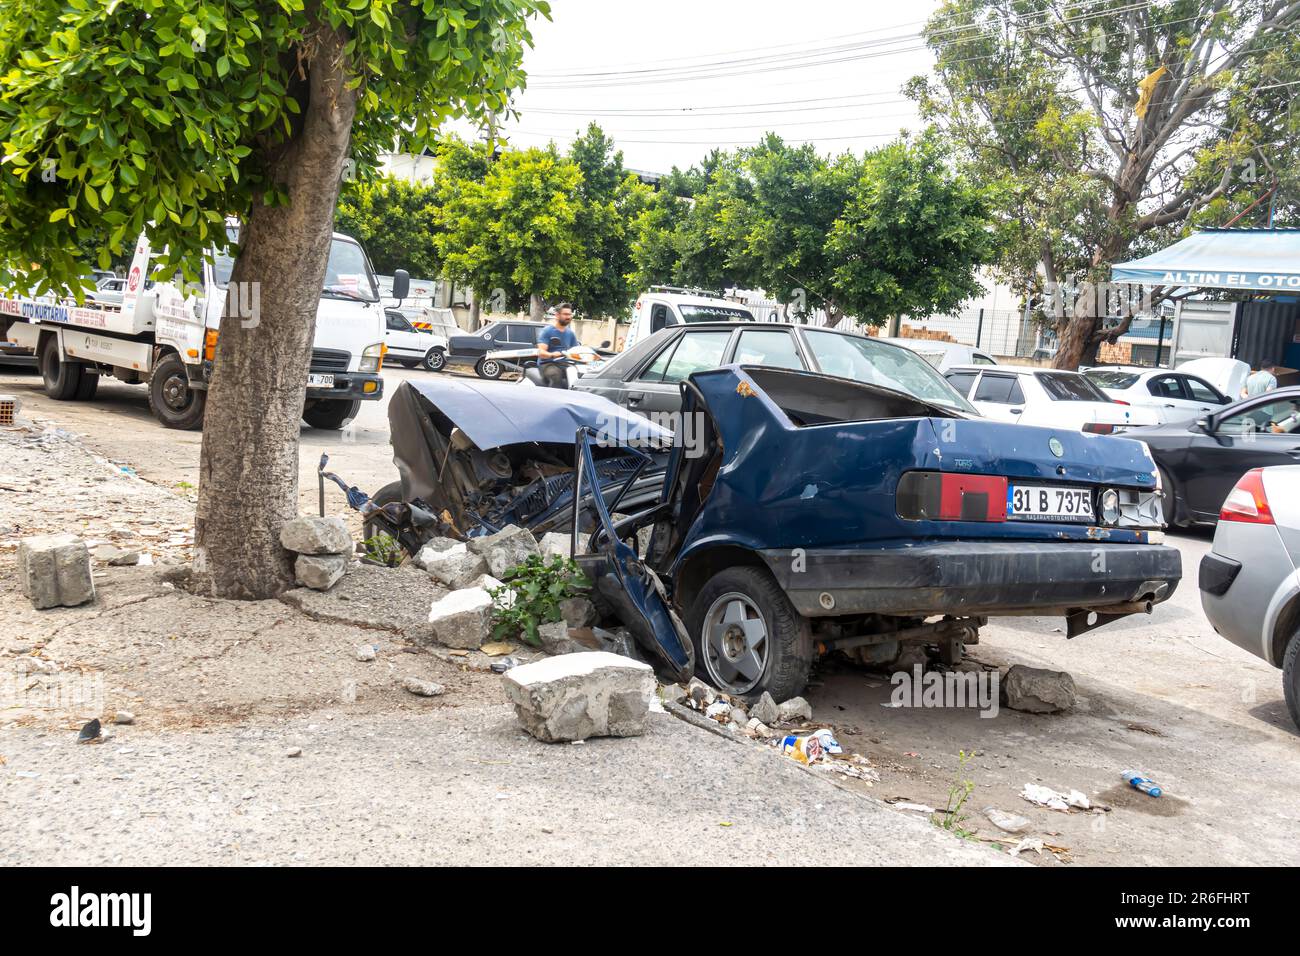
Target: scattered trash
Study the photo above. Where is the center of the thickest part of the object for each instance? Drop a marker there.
(809, 748)
(503, 664)
(497, 648)
(123, 718)
(1047, 797)
(91, 733)
(1009, 822)
(917, 807)
(1028, 843)
(719, 710)
(1139, 782)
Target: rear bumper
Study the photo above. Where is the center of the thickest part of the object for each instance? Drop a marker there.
(1245, 583)
(968, 578)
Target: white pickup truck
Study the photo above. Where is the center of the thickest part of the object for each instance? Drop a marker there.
(661, 306)
(164, 335)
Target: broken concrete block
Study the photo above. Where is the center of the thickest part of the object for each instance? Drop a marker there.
(366, 652)
(455, 567)
(422, 688)
(462, 618)
(556, 639)
(111, 554)
(439, 543)
(1038, 691)
(553, 544)
(765, 709)
(54, 571)
(504, 550)
(320, 572)
(576, 696)
(796, 708)
(578, 612)
(314, 535)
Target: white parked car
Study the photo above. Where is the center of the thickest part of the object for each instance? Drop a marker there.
(1227, 375)
(944, 355)
(410, 346)
(1037, 396)
(1171, 395)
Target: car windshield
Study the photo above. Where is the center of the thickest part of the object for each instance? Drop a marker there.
(890, 366)
(713, 313)
(1070, 387)
(347, 275)
(1110, 378)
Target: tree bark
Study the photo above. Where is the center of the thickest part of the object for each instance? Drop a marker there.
(248, 468)
(536, 307)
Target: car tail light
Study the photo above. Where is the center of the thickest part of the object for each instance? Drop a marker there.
(1247, 501)
(938, 496)
(1099, 428)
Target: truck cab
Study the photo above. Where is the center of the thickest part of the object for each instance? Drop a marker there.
(661, 306)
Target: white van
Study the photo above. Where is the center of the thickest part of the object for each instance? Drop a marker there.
(662, 306)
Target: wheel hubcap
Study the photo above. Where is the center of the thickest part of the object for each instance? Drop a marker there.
(735, 643)
(490, 369)
(176, 393)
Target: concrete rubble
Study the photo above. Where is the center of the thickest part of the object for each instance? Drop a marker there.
(1039, 691)
(451, 563)
(462, 618)
(54, 571)
(577, 696)
(504, 550)
(323, 547)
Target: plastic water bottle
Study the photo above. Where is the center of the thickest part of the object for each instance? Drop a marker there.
(1139, 782)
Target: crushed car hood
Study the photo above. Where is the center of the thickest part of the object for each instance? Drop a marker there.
(483, 455)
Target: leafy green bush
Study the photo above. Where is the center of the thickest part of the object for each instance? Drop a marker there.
(531, 596)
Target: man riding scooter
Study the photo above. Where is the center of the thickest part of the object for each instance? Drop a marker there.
(553, 342)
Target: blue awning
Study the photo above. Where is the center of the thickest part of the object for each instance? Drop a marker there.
(1262, 260)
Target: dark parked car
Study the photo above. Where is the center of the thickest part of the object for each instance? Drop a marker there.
(1201, 460)
(818, 513)
(648, 377)
(472, 347)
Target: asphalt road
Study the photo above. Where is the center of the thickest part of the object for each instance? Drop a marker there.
(1161, 694)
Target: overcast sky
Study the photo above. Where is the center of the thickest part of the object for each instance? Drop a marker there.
(671, 79)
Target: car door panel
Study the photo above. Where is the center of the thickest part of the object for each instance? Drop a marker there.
(1257, 435)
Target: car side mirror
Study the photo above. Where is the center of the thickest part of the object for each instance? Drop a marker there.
(1206, 424)
(401, 284)
(605, 344)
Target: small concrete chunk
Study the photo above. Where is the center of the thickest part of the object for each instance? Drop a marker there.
(455, 567)
(578, 612)
(765, 709)
(1039, 691)
(423, 688)
(555, 639)
(553, 544)
(796, 708)
(506, 549)
(577, 696)
(462, 618)
(54, 571)
(319, 572)
(315, 535)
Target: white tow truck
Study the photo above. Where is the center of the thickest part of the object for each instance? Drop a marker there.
(164, 335)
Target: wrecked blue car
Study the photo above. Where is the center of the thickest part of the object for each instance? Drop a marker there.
(813, 513)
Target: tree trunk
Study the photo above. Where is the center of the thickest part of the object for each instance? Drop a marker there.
(475, 313)
(248, 468)
(1077, 343)
(536, 308)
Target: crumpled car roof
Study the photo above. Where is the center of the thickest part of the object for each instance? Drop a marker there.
(493, 414)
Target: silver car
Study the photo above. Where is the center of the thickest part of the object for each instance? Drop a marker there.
(1250, 585)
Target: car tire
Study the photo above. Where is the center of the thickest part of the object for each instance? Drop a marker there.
(171, 399)
(435, 360)
(330, 414)
(1291, 677)
(1174, 505)
(62, 379)
(386, 495)
(784, 657)
(489, 369)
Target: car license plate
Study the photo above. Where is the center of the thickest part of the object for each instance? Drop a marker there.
(320, 381)
(1045, 503)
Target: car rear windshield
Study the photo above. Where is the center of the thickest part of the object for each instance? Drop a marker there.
(1109, 378)
(713, 313)
(1070, 387)
(878, 363)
